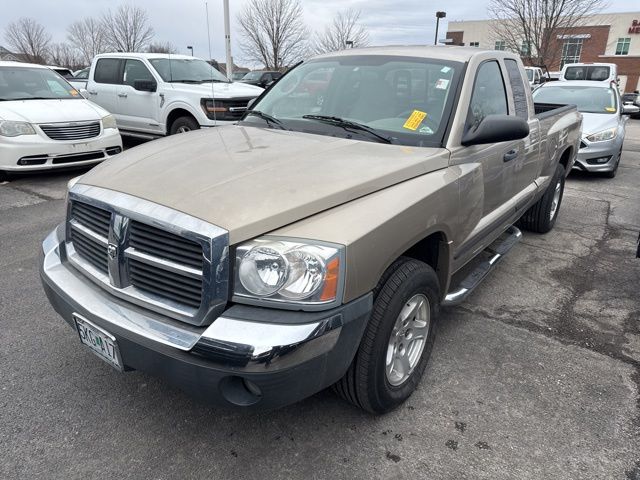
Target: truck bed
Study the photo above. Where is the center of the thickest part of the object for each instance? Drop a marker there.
(544, 110)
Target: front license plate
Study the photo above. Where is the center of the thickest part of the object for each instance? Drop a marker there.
(100, 342)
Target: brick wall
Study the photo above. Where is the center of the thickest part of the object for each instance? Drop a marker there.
(591, 47)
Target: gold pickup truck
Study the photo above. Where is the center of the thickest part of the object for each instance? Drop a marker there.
(313, 243)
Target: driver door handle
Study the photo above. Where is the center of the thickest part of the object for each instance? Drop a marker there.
(122, 95)
(510, 155)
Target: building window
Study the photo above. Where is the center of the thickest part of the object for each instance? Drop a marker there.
(474, 44)
(571, 50)
(500, 45)
(622, 47)
(525, 49)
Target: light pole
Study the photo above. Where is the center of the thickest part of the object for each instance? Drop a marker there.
(439, 15)
(189, 47)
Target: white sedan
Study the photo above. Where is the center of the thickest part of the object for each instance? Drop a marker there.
(45, 123)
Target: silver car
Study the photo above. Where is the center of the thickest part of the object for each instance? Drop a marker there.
(603, 124)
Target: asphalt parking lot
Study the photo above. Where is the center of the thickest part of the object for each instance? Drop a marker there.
(536, 376)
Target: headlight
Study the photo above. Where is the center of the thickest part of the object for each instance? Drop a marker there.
(109, 122)
(288, 271)
(603, 135)
(15, 129)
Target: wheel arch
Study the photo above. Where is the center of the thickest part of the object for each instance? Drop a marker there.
(434, 250)
(176, 113)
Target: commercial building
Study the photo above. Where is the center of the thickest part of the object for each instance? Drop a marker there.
(605, 38)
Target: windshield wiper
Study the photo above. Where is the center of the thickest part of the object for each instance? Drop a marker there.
(36, 98)
(267, 118)
(184, 81)
(214, 80)
(341, 122)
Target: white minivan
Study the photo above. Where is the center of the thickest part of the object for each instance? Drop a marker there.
(155, 94)
(600, 72)
(45, 123)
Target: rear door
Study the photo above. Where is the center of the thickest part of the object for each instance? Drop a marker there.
(137, 110)
(103, 83)
(522, 165)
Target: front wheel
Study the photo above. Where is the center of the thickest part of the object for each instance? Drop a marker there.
(542, 215)
(397, 342)
(183, 125)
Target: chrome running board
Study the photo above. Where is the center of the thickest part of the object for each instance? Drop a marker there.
(497, 251)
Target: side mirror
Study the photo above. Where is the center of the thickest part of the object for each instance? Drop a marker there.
(145, 85)
(630, 109)
(495, 129)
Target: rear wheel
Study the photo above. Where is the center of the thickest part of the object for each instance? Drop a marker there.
(397, 342)
(541, 216)
(183, 124)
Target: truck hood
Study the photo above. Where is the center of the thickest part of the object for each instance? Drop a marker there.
(597, 122)
(222, 90)
(251, 180)
(50, 111)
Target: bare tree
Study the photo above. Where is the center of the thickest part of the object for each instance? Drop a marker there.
(89, 38)
(273, 32)
(64, 55)
(127, 29)
(533, 28)
(27, 37)
(344, 28)
(159, 47)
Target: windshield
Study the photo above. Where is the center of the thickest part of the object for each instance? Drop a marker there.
(186, 70)
(253, 76)
(587, 99)
(593, 72)
(25, 83)
(530, 75)
(405, 99)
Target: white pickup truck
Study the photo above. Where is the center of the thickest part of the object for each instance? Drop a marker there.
(152, 94)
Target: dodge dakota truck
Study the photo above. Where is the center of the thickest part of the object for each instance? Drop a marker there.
(313, 243)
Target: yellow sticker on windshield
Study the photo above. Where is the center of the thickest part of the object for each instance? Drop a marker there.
(74, 92)
(414, 120)
(610, 109)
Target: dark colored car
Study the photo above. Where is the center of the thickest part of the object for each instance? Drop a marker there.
(261, 78)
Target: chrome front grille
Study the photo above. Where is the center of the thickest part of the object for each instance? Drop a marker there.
(76, 131)
(154, 241)
(155, 257)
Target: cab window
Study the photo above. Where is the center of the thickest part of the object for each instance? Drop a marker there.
(107, 71)
(489, 96)
(135, 70)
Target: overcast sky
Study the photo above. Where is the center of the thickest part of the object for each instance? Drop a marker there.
(183, 22)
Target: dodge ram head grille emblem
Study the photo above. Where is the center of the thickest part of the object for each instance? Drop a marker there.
(112, 251)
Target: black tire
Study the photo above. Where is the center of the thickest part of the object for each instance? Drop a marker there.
(612, 173)
(366, 384)
(538, 218)
(183, 124)
(4, 176)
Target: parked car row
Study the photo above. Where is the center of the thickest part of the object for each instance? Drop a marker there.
(46, 122)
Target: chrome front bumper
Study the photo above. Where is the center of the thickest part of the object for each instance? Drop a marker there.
(308, 350)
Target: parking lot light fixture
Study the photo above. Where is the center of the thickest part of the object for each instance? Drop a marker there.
(439, 15)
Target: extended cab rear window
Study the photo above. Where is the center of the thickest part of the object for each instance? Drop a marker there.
(594, 72)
